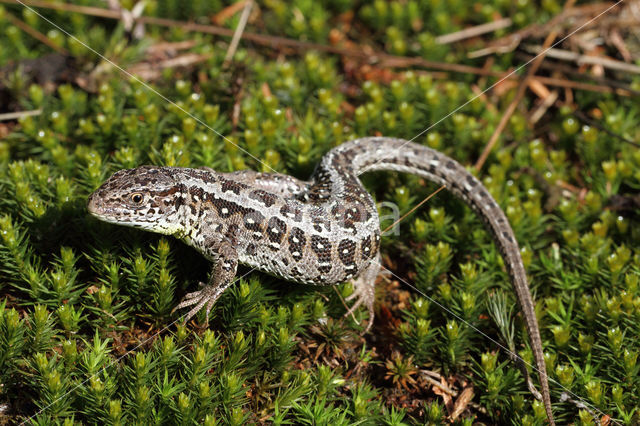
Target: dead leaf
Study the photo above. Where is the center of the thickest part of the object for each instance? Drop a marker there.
(448, 401)
(266, 90)
(539, 89)
(92, 289)
(226, 13)
(461, 403)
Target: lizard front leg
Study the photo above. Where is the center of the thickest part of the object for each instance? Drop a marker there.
(222, 274)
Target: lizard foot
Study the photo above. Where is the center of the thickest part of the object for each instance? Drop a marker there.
(207, 296)
(220, 279)
(364, 292)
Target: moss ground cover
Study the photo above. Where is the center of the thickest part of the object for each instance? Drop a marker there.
(86, 329)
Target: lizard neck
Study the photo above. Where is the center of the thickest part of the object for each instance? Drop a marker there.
(196, 217)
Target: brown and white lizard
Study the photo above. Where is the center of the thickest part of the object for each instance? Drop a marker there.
(323, 231)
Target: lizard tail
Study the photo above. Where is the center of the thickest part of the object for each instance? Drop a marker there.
(381, 153)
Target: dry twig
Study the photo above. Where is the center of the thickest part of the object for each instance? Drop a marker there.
(237, 35)
(474, 31)
(226, 13)
(567, 18)
(512, 106)
(521, 90)
(35, 33)
(462, 402)
(19, 114)
(565, 55)
(152, 71)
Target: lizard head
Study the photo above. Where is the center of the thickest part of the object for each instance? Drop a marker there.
(147, 197)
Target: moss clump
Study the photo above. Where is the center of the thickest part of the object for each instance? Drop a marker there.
(86, 329)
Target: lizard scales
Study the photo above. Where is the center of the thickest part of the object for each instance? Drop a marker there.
(323, 231)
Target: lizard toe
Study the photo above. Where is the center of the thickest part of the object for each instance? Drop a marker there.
(353, 308)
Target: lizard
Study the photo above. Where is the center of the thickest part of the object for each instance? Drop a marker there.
(323, 231)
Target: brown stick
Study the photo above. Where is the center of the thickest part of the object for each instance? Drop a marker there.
(570, 84)
(414, 208)
(512, 106)
(565, 55)
(19, 114)
(150, 72)
(569, 71)
(67, 7)
(226, 13)
(237, 34)
(521, 91)
(537, 29)
(474, 31)
(539, 111)
(36, 34)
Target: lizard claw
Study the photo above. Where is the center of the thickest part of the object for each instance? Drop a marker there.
(363, 294)
(360, 301)
(206, 296)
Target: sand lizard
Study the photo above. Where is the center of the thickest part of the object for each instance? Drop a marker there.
(323, 231)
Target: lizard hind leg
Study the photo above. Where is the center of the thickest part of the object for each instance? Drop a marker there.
(364, 290)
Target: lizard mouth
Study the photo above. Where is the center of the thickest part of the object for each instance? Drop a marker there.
(92, 204)
(95, 206)
(106, 212)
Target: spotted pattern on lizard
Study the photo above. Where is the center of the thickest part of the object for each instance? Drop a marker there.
(323, 231)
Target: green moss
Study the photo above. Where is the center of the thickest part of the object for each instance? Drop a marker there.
(86, 328)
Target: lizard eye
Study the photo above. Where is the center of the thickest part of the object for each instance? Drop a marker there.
(136, 198)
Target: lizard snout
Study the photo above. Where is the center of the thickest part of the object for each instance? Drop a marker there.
(93, 204)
